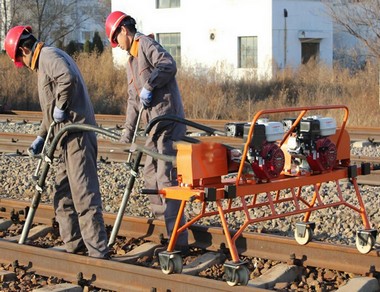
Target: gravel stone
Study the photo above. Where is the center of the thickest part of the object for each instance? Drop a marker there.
(332, 225)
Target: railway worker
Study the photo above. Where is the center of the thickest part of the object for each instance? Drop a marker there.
(152, 84)
(64, 98)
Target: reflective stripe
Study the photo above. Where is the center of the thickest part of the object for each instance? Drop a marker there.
(115, 26)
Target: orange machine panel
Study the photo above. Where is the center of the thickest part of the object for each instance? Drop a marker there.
(201, 162)
(343, 149)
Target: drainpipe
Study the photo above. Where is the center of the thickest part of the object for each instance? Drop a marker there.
(285, 35)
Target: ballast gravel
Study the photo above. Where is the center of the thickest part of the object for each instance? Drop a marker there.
(336, 225)
(332, 224)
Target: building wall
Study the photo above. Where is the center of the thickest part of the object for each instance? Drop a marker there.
(228, 20)
(93, 11)
(305, 20)
(197, 19)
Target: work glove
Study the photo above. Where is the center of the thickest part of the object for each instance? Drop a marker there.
(59, 115)
(36, 146)
(146, 97)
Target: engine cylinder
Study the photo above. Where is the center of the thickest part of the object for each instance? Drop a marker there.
(324, 157)
(269, 162)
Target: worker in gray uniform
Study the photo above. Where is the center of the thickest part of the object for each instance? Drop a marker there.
(152, 84)
(64, 99)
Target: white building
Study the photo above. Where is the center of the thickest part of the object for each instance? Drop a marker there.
(94, 13)
(240, 36)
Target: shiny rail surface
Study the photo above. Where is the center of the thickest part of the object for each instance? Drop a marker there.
(316, 254)
(12, 144)
(110, 275)
(116, 121)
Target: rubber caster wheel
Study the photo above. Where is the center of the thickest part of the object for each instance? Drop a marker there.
(239, 276)
(364, 242)
(303, 238)
(171, 264)
(169, 269)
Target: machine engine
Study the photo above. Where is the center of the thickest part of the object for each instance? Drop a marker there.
(310, 147)
(265, 156)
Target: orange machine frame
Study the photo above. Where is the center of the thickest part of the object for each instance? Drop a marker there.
(202, 169)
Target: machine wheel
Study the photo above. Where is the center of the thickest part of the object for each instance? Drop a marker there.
(241, 277)
(174, 265)
(169, 269)
(306, 238)
(362, 246)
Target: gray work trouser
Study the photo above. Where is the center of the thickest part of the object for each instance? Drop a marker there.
(77, 200)
(157, 175)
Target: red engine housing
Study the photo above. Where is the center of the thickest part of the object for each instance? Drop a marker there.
(270, 162)
(324, 157)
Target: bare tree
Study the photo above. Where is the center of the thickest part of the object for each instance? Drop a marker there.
(360, 18)
(4, 16)
(9, 15)
(51, 20)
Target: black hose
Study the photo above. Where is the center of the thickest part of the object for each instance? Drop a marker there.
(156, 155)
(173, 118)
(69, 129)
(85, 128)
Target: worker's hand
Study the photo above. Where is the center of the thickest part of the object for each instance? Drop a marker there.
(146, 97)
(36, 146)
(59, 115)
(125, 138)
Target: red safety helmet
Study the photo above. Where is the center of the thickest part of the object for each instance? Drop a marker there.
(12, 40)
(112, 23)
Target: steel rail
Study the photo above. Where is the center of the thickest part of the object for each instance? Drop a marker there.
(48, 157)
(316, 254)
(106, 120)
(13, 144)
(107, 274)
(136, 164)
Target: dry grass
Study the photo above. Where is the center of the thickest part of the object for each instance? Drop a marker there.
(307, 86)
(107, 85)
(207, 94)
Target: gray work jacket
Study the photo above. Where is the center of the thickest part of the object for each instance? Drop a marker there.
(155, 69)
(61, 84)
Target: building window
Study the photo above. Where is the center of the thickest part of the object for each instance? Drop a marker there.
(172, 43)
(309, 51)
(247, 52)
(168, 3)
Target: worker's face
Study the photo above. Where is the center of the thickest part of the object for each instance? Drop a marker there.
(123, 38)
(26, 56)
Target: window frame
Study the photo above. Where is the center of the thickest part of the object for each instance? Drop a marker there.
(161, 4)
(310, 51)
(174, 49)
(246, 64)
